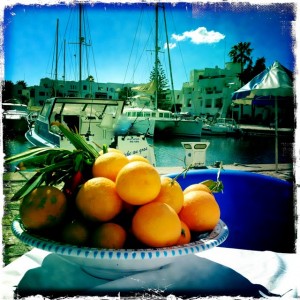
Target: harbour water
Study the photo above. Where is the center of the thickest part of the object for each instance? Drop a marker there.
(249, 149)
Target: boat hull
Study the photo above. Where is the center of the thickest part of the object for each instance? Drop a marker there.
(19, 125)
(183, 128)
(14, 117)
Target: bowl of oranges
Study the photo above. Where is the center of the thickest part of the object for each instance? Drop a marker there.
(120, 217)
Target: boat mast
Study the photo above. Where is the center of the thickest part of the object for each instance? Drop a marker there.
(80, 49)
(64, 76)
(169, 58)
(156, 56)
(56, 58)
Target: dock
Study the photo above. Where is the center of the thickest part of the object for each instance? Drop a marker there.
(12, 181)
(249, 129)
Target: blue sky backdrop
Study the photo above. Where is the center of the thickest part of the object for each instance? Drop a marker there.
(120, 39)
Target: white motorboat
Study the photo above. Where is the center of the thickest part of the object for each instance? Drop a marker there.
(95, 119)
(141, 120)
(221, 126)
(158, 122)
(14, 117)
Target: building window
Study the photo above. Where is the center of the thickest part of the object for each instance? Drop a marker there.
(219, 103)
(85, 87)
(41, 93)
(208, 103)
(101, 95)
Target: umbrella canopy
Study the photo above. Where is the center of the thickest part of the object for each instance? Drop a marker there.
(274, 82)
(271, 85)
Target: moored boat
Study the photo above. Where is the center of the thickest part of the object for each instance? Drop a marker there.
(221, 126)
(14, 117)
(95, 119)
(141, 120)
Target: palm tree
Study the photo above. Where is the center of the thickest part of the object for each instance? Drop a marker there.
(241, 53)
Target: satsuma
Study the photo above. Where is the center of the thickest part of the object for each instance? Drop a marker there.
(200, 211)
(138, 183)
(109, 236)
(170, 193)
(98, 200)
(156, 224)
(44, 207)
(75, 233)
(109, 164)
(185, 236)
(136, 157)
(197, 187)
(111, 150)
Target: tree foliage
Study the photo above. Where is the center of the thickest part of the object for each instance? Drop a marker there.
(126, 92)
(241, 53)
(22, 83)
(162, 84)
(8, 89)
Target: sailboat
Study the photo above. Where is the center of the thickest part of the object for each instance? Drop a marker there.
(98, 120)
(167, 123)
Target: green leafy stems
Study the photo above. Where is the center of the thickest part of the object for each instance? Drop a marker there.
(215, 186)
(54, 166)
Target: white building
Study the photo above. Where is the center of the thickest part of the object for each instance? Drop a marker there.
(209, 90)
(50, 88)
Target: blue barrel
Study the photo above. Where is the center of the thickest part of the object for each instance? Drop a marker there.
(258, 209)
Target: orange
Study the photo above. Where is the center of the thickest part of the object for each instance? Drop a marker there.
(137, 157)
(109, 164)
(111, 150)
(75, 233)
(156, 224)
(197, 187)
(200, 211)
(185, 236)
(44, 207)
(98, 200)
(109, 236)
(170, 193)
(138, 183)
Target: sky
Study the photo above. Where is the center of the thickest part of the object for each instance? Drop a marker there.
(120, 39)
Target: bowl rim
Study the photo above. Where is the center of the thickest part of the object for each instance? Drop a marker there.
(206, 241)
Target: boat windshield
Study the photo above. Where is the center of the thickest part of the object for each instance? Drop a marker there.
(18, 107)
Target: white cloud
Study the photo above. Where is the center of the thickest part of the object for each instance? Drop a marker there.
(199, 36)
(171, 45)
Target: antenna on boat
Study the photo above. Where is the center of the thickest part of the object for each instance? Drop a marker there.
(56, 58)
(169, 58)
(81, 39)
(156, 54)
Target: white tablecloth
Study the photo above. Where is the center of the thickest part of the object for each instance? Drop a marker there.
(218, 271)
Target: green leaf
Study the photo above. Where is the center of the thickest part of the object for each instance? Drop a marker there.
(77, 140)
(105, 149)
(25, 155)
(214, 186)
(35, 181)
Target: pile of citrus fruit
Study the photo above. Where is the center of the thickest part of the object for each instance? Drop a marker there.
(125, 204)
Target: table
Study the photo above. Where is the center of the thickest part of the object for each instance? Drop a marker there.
(219, 271)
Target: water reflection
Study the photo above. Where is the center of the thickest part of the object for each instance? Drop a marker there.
(229, 150)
